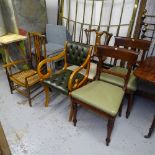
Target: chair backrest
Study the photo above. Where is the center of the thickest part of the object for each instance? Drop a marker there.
(138, 45)
(76, 53)
(37, 48)
(99, 35)
(57, 34)
(128, 56)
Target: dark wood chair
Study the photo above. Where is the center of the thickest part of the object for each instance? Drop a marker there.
(25, 80)
(67, 80)
(151, 129)
(138, 46)
(102, 97)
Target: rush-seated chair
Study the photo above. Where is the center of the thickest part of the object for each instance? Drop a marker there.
(26, 80)
(66, 80)
(102, 97)
(138, 46)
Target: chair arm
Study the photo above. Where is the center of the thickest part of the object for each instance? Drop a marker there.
(49, 70)
(11, 64)
(79, 83)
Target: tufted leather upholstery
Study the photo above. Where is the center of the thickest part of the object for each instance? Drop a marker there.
(60, 80)
(76, 54)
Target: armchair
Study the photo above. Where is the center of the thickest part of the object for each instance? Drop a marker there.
(26, 80)
(66, 80)
(102, 97)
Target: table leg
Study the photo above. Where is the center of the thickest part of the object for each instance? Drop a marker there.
(151, 129)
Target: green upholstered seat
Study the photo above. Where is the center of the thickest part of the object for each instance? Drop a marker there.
(92, 71)
(60, 80)
(101, 95)
(132, 84)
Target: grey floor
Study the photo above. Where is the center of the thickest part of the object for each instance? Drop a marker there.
(46, 131)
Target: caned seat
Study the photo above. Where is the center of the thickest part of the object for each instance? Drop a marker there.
(31, 75)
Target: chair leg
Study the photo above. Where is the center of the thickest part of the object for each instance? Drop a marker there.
(110, 126)
(71, 113)
(74, 113)
(151, 129)
(29, 96)
(130, 104)
(120, 110)
(10, 82)
(46, 89)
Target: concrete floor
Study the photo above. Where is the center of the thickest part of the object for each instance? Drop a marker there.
(46, 131)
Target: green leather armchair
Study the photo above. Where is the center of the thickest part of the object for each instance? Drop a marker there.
(66, 80)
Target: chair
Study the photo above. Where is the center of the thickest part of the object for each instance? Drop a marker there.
(101, 38)
(66, 80)
(140, 47)
(26, 80)
(56, 36)
(102, 97)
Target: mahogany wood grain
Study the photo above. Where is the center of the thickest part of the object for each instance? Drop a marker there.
(146, 70)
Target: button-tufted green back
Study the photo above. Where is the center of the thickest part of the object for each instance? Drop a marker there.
(76, 53)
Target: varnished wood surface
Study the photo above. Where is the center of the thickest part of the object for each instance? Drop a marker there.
(4, 147)
(146, 70)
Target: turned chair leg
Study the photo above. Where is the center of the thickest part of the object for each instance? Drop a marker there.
(130, 104)
(46, 89)
(74, 113)
(110, 126)
(71, 113)
(151, 129)
(29, 96)
(120, 110)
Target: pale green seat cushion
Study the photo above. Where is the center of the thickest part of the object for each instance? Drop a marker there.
(132, 83)
(101, 95)
(92, 71)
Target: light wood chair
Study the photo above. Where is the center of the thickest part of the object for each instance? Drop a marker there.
(26, 80)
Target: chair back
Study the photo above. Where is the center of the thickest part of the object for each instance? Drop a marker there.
(76, 53)
(138, 45)
(57, 34)
(37, 48)
(101, 37)
(119, 54)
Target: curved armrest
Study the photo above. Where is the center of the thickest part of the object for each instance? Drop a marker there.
(8, 65)
(49, 71)
(79, 83)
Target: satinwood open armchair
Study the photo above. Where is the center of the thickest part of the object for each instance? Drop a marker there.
(102, 97)
(66, 80)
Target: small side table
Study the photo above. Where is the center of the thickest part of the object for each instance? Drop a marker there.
(8, 39)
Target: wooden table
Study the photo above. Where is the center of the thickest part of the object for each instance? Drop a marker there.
(8, 39)
(146, 71)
